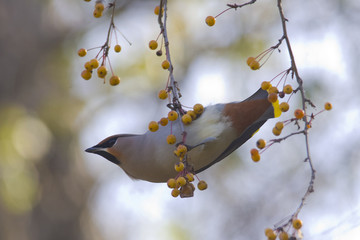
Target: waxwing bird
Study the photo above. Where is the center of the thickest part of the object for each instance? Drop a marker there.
(221, 129)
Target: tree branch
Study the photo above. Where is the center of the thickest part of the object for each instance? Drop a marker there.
(295, 72)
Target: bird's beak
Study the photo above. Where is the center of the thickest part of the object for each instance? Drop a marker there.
(104, 153)
(93, 149)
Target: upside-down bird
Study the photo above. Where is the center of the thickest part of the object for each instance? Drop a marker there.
(220, 130)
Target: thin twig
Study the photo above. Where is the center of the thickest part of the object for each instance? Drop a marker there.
(235, 6)
(294, 70)
(278, 140)
(106, 45)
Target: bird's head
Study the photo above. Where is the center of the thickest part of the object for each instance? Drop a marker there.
(104, 148)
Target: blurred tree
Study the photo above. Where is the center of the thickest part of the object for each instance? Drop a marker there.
(43, 186)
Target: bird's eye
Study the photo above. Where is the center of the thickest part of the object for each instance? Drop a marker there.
(112, 141)
(107, 143)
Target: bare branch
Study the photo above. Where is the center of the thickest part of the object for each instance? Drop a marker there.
(235, 6)
(306, 120)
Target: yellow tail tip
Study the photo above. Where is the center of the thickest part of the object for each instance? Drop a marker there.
(277, 111)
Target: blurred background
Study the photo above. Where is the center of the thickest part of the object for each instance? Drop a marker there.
(51, 189)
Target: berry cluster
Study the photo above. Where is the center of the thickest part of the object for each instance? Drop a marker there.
(274, 94)
(292, 226)
(182, 184)
(98, 8)
(298, 114)
(254, 62)
(153, 44)
(103, 54)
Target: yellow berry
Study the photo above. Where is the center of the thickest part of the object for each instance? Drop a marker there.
(284, 106)
(279, 126)
(182, 149)
(163, 94)
(268, 231)
(165, 64)
(176, 152)
(276, 131)
(255, 157)
(87, 66)
(172, 183)
(153, 126)
(198, 108)
(272, 97)
(265, 85)
(287, 89)
(297, 223)
(202, 185)
(283, 236)
(102, 71)
(157, 10)
(114, 80)
(186, 119)
(192, 114)
(249, 60)
(190, 177)
(254, 151)
(328, 106)
(82, 52)
(163, 121)
(210, 21)
(299, 113)
(179, 166)
(99, 6)
(254, 65)
(273, 89)
(171, 139)
(172, 115)
(117, 48)
(181, 181)
(153, 44)
(97, 14)
(86, 74)
(94, 63)
(270, 234)
(261, 143)
(175, 192)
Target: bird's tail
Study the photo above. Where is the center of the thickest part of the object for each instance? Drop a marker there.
(273, 112)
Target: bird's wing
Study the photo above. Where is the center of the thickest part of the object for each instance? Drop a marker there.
(269, 111)
(203, 142)
(235, 144)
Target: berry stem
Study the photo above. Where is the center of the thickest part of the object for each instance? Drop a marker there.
(127, 40)
(111, 69)
(223, 12)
